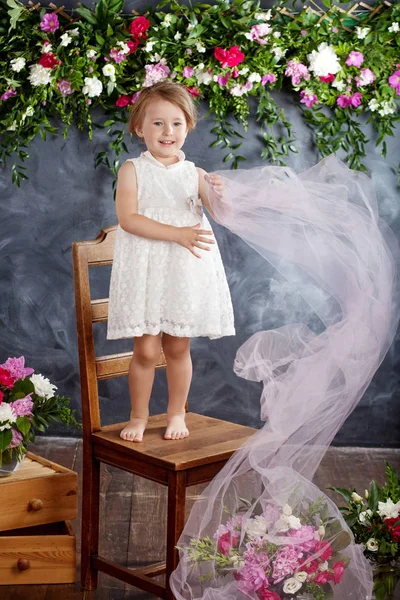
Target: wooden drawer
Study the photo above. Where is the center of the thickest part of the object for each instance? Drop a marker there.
(39, 492)
(41, 554)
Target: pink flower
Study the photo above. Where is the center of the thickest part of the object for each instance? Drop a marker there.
(117, 55)
(10, 92)
(252, 556)
(327, 78)
(23, 407)
(133, 45)
(303, 538)
(193, 91)
(6, 379)
(64, 87)
(49, 23)
(16, 438)
(266, 594)
(188, 51)
(286, 563)
(297, 71)
(310, 567)
(258, 33)
(308, 98)
(227, 541)
(335, 29)
(303, 32)
(356, 99)
(338, 571)
(268, 78)
(355, 59)
(323, 549)
(366, 77)
(235, 73)
(343, 101)
(323, 578)
(134, 97)
(187, 72)
(394, 81)
(251, 579)
(231, 57)
(223, 79)
(155, 73)
(16, 368)
(123, 100)
(1, 396)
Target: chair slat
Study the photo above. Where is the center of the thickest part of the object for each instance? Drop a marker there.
(100, 254)
(99, 310)
(117, 365)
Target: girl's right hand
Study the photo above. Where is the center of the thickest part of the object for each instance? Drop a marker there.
(193, 237)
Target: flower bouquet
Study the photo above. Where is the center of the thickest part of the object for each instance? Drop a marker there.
(279, 553)
(375, 522)
(27, 403)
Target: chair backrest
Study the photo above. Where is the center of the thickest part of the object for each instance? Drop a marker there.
(95, 253)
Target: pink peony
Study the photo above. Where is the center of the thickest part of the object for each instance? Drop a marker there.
(155, 73)
(10, 92)
(355, 59)
(356, 99)
(394, 82)
(16, 438)
(16, 368)
(49, 23)
(286, 563)
(64, 87)
(23, 407)
(343, 101)
(366, 77)
(187, 72)
(303, 538)
(268, 78)
(251, 579)
(258, 33)
(338, 571)
(308, 98)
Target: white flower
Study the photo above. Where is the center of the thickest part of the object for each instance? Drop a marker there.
(248, 35)
(256, 527)
(156, 58)
(287, 510)
(6, 414)
(387, 108)
(276, 34)
(124, 47)
(167, 20)
(373, 105)
(365, 515)
(200, 47)
(362, 32)
(291, 585)
(91, 53)
(321, 531)
(190, 27)
(366, 493)
(177, 36)
(301, 576)
(46, 48)
(263, 16)
(93, 87)
(74, 32)
(324, 61)
(42, 386)
(293, 522)
(65, 39)
(237, 90)
(28, 113)
(244, 71)
(372, 545)
(149, 46)
(394, 27)
(13, 126)
(39, 75)
(17, 64)
(203, 77)
(279, 52)
(356, 497)
(388, 509)
(236, 561)
(109, 71)
(324, 566)
(339, 85)
(253, 77)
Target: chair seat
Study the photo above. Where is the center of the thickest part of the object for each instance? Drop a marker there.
(210, 441)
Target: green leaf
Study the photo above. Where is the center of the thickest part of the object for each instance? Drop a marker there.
(99, 39)
(5, 439)
(86, 14)
(110, 30)
(346, 494)
(373, 496)
(228, 157)
(23, 424)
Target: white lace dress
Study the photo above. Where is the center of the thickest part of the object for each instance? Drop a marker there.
(159, 286)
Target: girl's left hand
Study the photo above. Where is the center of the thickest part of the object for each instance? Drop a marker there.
(216, 183)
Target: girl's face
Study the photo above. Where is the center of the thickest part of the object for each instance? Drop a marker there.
(164, 130)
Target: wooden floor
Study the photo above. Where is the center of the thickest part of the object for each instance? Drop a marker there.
(130, 532)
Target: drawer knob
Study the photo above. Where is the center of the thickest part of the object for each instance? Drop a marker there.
(35, 504)
(23, 564)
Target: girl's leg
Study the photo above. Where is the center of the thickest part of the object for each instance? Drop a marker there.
(146, 353)
(179, 376)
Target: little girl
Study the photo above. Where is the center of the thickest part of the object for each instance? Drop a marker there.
(161, 294)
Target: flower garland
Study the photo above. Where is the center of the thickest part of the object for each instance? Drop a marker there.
(54, 66)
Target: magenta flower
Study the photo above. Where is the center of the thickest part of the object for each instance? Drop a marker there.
(193, 91)
(64, 87)
(343, 101)
(16, 438)
(308, 98)
(297, 71)
(268, 78)
(251, 578)
(117, 55)
(134, 97)
(356, 99)
(187, 72)
(355, 59)
(366, 77)
(16, 368)
(49, 23)
(223, 79)
(23, 407)
(155, 73)
(286, 563)
(258, 33)
(10, 92)
(394, 82)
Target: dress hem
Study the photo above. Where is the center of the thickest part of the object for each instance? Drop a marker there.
(128, 334)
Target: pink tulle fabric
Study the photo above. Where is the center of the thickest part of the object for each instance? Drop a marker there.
(321, 225)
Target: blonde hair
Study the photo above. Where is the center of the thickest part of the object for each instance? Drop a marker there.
(175, 93)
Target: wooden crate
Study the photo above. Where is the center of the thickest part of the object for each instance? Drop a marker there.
(39, 492)
(38, 555)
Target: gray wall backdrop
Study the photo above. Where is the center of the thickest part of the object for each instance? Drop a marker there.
(67, 199)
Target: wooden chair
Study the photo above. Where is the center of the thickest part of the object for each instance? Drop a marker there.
(176, 463)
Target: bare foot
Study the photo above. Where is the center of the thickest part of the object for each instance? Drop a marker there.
(134, 431)
(176, 427)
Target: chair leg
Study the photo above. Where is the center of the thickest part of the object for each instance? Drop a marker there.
(175, 522)
(90, 518)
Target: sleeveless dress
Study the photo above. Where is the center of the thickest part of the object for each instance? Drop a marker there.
(160, 286)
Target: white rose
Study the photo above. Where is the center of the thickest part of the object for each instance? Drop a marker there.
(200, 47)
(42, 386)
(365, 515)
(394, 27)
(17, 64)
(93, 87)
(372, 545)
(388, 509)
(256, 527)
(356, 498)
(6, 414)
(91, 53)
(324, 61)
(286, 510)
(65, 39)
(253, 77)
(293, 522)
(362, 32)
(291, 585)
(321, 531)
(177, 36)
(301, 576)
(39, 75)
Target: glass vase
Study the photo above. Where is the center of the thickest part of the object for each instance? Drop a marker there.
(386, 579)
